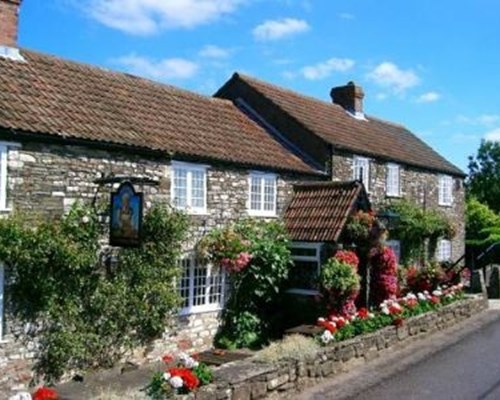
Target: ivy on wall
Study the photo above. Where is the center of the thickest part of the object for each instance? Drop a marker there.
(85, 312)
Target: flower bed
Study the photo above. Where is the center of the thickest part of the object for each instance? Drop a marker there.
(250, 379)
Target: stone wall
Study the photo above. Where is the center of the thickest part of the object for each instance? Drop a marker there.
(46, 179)
(247, 379)
(417, 185)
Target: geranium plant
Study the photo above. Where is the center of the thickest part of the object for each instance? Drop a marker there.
(384, 275)
(42, 393)
(182, 375)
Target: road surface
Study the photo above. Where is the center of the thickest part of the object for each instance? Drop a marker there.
(463, 364)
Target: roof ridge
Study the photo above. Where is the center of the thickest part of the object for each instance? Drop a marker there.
(285, 89)
(112, 72)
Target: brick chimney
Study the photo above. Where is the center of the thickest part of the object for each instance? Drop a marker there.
(9, 18)
(350, 97)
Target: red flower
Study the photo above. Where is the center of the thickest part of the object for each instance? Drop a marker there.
(435, 300)
(190, 380)
(363, 313)
(167, 358)
(348, 257)
(45, 393)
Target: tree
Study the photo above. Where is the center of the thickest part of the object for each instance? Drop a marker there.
(483, 224)
(484, 175)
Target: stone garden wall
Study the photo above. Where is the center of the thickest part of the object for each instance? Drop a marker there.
(248, 380)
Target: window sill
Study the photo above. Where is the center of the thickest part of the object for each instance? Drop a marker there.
(5, 210)
(261, 214)
(445, 205)
(185, 312)
(393, 196)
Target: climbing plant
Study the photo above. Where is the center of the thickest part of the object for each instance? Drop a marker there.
(86, 313)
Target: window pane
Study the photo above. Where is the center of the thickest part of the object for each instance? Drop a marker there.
(269, 194)
(180, 187)
(308, 252)
(216, 287)
(198, 189)
(304, 275)
(200, 285)
(256, 193)
(184, 283)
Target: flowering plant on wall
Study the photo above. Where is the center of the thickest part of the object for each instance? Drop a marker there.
(182, 375)
(226, 248)
(384, 278)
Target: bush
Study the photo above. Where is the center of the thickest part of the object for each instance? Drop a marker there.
(428, 277)
(339, 283)
(88, 313)
(384, 278)
(293, 347)
(255, 254)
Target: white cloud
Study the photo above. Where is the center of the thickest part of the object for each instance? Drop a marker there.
(389, 75)
(326, 68)
(279, 29)
(493, 135)
(381, 96)
(165, 69)
(428, 97)
(345, 15)
(212, 51)
(146, 17)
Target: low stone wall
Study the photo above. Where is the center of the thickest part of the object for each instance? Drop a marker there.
(248, 380)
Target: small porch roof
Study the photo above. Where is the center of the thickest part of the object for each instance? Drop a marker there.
(319, 211)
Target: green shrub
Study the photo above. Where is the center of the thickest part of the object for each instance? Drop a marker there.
(88, 313)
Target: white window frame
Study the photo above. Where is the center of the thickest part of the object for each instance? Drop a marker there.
(445, 190)
(211, 273)
(189, 168)
(444, 250)
(261, 212)
(395, 245)
(393, 180)
(2, 300)
(4, 151)
(316, 258)
(364, 162)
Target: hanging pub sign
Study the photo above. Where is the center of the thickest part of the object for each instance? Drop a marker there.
(126, 217)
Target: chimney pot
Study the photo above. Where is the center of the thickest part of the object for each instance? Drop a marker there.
(9, 22)
(350, 97)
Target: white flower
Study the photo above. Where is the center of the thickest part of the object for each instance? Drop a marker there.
(421, 296)
(166, 376)
(327, 337)
(371, 315)
(437, 293)
(85, 219)
(385, 310)
(21, 396)
(176, 382)
(321, 319)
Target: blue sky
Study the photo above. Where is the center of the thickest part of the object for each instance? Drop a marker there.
(430, 65)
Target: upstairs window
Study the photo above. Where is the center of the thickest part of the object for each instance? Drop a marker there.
(445, 190)
(262, 201)
(361, 171)
(202, 287)
(444, 250)
(189, 187)
(392, 184)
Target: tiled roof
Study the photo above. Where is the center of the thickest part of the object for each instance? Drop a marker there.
(318, 211)
(51, 96)
(372, 137)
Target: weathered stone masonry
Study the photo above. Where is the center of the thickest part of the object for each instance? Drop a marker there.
(46, 179)
(417, 185)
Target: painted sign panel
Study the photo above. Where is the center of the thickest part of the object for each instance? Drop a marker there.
(126, 216)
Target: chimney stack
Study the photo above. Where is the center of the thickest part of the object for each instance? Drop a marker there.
(9, 19)
(350, 97)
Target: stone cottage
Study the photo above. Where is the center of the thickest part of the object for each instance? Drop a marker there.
(349, 144)
(65, 124)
